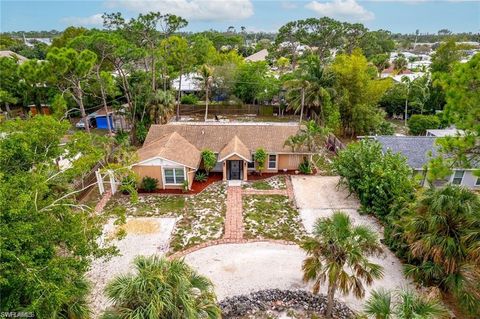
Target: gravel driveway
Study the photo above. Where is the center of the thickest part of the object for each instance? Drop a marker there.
(237, 269)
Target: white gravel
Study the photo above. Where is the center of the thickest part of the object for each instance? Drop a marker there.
(244, 268)
(129, 247)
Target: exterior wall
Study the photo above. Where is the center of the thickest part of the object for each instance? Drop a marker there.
(150, 171)
(190, 177)
(469, 180)
(289, 161)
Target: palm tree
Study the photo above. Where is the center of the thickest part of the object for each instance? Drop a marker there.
(206, 78)
(443, 234)
(313, 134)
(409, 305)
(315, 86)
(161, 288)
(338, 256)
(295, 141)
(162, 105)
(298, 85)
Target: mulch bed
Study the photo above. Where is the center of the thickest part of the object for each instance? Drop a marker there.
(197, 187)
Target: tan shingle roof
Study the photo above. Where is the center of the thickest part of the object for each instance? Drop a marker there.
(270, 137)
(171, 146)
(235, 146)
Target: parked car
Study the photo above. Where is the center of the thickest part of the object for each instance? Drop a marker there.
(91, 120)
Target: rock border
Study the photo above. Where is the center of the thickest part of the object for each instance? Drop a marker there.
(280, 300)
(224, 241)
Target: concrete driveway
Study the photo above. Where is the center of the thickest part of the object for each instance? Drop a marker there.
(320, 196)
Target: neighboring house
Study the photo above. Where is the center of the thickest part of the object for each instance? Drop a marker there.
(391, 72)
(444, 132)
(418, 150)
(257, 56)
(10, 54)
(172, 152)
(190, 83)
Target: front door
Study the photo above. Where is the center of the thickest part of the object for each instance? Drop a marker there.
(234, 170)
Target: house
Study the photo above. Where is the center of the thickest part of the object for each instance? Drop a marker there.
(257, 56)
(171, 153)
(391, 72)
(419, 150)
(444, 132)
(10, 54)
(43, 109)
(190, 83)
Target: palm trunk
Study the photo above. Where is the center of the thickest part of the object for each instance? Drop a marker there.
(330, 299)
(206, 102)
(303, 102)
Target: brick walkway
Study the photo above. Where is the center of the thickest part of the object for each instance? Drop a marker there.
(234, 217)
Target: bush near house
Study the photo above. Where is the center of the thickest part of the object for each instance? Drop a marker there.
(260, 158)
(209, 160)
(149, 184)
(418, 124)
(305, 167)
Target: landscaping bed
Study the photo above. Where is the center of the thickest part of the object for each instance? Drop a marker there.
(199, 218)
(271, 217)
(274, 182)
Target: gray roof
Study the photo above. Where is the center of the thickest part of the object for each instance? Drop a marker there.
(415, 148)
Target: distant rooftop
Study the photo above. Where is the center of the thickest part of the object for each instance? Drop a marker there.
(415, 148)
(258, 56)
(445, 132)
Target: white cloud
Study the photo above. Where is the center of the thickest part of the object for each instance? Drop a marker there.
(199, 10)
(95, 19)
(347, 10)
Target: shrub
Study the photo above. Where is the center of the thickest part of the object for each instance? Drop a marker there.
(128, 185)
(149, 183)
(381, 181)
(260, 158)
(419, 124)
(209, 159)
(305, 167)
(385, 128)
(189, 99)
(185, 186)
(201, 177)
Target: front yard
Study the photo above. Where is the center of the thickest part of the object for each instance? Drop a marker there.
(275, 182)
(199, 218)
(272, 217)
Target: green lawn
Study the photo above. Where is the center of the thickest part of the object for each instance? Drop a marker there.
(271, 216)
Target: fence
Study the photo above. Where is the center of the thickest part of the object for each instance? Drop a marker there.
(90, 178)
(226, 109)
(334, 144)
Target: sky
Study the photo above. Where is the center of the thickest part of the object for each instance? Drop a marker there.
(404, 16)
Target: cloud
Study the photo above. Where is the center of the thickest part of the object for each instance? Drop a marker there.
(347, 10)
(95, 19)
(195, 10)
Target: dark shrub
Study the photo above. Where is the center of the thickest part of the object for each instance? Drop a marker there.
(149, 183)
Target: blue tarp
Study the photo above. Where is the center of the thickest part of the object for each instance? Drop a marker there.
(102, 122)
